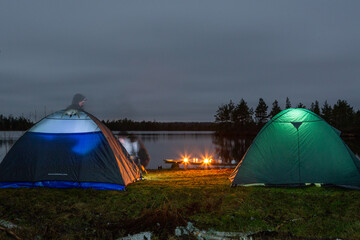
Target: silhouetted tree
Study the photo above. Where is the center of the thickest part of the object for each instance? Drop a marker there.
(300, 105)
(223, 114)
(242, 114)
(315, 107)
(356, 122)
(326, 112)
(127, 125)
(343, 114)
(261, 115)
(275, 109)
(287, 103)
(14, 123)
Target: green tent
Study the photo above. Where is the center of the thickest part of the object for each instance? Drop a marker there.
(294, 148)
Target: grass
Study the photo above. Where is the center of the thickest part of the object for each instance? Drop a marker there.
(169, 198)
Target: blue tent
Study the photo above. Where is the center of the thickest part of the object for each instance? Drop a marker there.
(65, 151)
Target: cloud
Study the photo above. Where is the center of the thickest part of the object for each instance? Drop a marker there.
(176, 61)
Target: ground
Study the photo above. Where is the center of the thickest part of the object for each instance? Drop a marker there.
(171, 198)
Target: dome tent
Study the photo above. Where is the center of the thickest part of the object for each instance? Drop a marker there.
(65, 151)
(294, 148)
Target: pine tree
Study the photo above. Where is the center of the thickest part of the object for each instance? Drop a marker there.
(275, 109)
(288, 103)
(261, 115)
(316, 108)
(343, 114)
(356, 122)
(326, 112)
(224, 112)
(312, 106)
(300, 105)
(242, 114)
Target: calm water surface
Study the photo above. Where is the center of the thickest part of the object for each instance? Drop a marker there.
(174, 145)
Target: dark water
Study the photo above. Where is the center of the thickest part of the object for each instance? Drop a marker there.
(192, 145)
(175, 145)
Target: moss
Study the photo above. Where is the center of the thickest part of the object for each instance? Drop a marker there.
(170, 198)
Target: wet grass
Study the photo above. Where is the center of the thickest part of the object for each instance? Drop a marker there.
(168, 198)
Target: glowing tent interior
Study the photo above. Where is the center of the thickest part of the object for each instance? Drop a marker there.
(294, 148)
(65, 151)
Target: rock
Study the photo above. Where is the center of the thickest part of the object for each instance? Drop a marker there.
(190, 227)
(210, 234)
(139, 236)
(215, 235)
(7, 224)
(178, 231)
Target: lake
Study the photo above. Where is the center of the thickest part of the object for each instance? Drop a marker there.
(175, 145)
(167, 145)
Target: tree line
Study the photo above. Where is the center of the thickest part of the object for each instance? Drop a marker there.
(11, 123)
(232, 117)
(14, 123)
(130, 125)
(229, 118)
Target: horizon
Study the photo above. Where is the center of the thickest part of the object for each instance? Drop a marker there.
(31, 116)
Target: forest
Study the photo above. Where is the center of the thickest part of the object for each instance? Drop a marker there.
(12, 123)
(230, 118)
(240, 118)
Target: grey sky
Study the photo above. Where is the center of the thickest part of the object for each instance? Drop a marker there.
(176, 60)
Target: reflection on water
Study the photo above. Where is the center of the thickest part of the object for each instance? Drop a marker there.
(230, 148)
(5, 146)
(175, 146)
(170, 145)
(193, 145)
